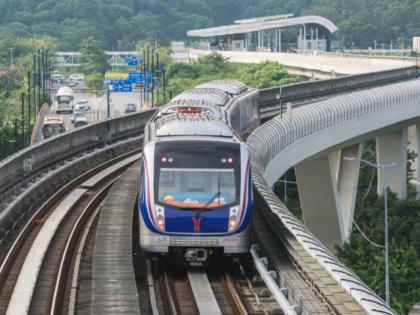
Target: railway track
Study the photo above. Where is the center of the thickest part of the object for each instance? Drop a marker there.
(231, 288)
(41, 265)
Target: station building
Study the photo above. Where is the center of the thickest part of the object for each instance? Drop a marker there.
(280, 33)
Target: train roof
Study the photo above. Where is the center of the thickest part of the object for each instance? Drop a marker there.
(212, 95)
(229, 86)
(190, 106)
(191, 125)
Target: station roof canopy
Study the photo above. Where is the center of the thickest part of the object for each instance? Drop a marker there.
(263, 23)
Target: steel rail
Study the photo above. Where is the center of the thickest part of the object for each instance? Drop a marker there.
(233, 294)
(71, 244)
(44, 210)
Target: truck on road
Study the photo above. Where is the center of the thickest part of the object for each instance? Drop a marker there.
(53, 125)
(63, 100)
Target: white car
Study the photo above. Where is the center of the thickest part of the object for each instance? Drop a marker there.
(82, 105)
(79, 118)
(76, 77)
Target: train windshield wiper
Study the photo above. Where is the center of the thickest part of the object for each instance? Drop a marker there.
(204, 208)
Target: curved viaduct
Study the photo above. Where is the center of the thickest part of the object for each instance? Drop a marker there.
(314, 139)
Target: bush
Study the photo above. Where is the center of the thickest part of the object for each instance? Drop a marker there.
(95, 80)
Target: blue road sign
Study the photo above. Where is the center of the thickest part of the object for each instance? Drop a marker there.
(136, 77)
(120, 85)
(132, 61)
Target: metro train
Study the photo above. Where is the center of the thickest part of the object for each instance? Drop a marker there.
(195, 196)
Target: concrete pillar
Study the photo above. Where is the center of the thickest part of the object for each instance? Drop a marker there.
(392, 148)
(300, 40)
(347, 180)
(413, 135)
(327, 188)
(279, 39)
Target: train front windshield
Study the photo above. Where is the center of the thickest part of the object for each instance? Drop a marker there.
(195, 175)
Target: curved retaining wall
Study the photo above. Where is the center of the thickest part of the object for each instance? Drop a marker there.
(280, 144)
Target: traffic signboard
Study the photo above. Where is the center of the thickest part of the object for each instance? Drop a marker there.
(136, 77)
(132, 60)
(120, 85)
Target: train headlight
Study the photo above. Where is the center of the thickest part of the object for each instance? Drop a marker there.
(233, 218)
(160, 217)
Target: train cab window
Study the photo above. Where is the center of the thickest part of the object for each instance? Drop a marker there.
(193, 175)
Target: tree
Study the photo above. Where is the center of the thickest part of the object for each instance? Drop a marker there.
(93, 62)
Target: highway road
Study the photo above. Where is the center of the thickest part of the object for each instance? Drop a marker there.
(98, 111)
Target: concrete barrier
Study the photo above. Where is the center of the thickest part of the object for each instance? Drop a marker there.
(35, 157)
(315, 62)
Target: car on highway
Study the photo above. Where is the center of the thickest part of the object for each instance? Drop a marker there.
(71, 83)
(57, 78)
(79, 118)
(130, 108)
(77, 77)
(82, 105)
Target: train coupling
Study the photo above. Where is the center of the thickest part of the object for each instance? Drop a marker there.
(196, 257)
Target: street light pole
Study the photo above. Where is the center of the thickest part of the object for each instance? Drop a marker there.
(386, 239)
(11, 55)
(383, 167)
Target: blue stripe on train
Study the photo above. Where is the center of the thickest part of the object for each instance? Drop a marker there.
(180, 222)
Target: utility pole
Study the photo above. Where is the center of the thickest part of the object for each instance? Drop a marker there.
(164, 85)
(16, 134)
(157, 78)
(29, 115)
(11, 55)
(39, 78)
(44, 62)
(108, 104)
(29, 92)
(34, 84)
(23, 119)
(153, 77)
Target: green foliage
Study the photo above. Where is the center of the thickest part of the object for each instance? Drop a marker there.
(368, 260)
(94, 80)
(120, 23)
(363, 257)
(12, 83)
(93, 59)
(214, 66)
(266, 74)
